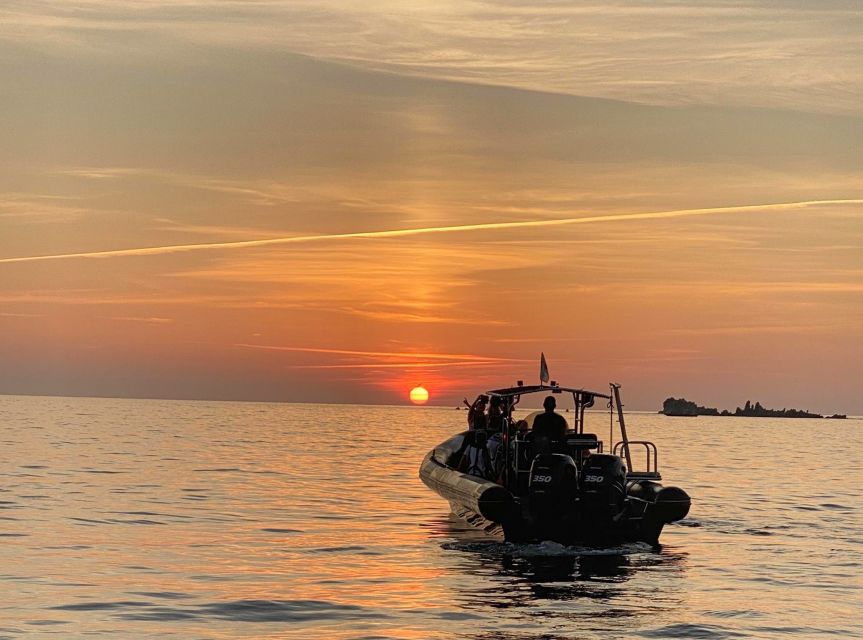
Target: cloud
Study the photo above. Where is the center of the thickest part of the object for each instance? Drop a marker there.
(166, 224)
(144, 319)
(96, 297)
(667, 53)
(397, 233)
(257, 192)
(750, 288)
(370, 361)
(401, 316)
(39, 208)
(751, 329)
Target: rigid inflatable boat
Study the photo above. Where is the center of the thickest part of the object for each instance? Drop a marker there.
(571, 489)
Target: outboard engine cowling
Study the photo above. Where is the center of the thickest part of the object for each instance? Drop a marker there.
(672, 503)
(553, 484)
(602, 487)
(666, 503)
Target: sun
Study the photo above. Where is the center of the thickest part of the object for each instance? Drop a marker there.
(419, 395)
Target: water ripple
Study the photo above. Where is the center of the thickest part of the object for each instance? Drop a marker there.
(308, 520)
(246, 611)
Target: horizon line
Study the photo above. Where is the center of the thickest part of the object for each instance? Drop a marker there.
(301, 402)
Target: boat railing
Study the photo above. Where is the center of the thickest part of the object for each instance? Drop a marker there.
(575, 444)
(651, 471)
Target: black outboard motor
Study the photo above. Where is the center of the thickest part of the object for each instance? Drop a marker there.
(602, 489)
(553, 486)
(659, 506)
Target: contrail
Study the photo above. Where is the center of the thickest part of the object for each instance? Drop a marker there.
(404, 365)
(396, 233)
(386, 354)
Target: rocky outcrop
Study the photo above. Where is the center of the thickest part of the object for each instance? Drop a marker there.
(683, 407)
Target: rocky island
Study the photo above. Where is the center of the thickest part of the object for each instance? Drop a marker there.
(683, 407)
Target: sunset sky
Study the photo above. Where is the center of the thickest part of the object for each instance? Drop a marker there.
(335, 201)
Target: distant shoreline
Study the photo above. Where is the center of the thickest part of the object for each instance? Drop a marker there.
(681, 407)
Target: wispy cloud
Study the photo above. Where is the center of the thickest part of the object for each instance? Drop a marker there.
(40, 208)
(92, 297)
(558, 339)
(397, 233)
(401, 316)
(751, 329)
(143, 319)
(729, 289)
(639, 50)
(259, 192)
(430, 363)
(229, 231)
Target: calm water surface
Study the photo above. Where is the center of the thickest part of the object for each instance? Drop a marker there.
(152, 519)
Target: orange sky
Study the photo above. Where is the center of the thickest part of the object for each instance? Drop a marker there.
(250, 202)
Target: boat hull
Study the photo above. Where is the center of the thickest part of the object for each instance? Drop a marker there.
(488, 506)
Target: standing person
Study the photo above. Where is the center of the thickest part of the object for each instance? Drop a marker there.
(550, 424)
(476, 419)
(476, 459)
(495, 415)
(496, 450)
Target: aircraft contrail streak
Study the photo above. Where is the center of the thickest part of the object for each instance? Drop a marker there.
(395, 233)
(385, 354)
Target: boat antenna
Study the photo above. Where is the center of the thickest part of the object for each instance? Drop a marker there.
(615, 390)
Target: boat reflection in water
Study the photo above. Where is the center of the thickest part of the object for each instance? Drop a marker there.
(570, 587)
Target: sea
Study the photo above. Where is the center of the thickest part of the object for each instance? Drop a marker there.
(213, 520)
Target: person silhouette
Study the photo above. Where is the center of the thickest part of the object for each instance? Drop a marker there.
(495, 414)
(549, 424)
(476, 418)
(476, 459)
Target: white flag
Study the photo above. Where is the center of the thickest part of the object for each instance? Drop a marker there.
(543, 370)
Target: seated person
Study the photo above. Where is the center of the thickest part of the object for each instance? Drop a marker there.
(549, 424)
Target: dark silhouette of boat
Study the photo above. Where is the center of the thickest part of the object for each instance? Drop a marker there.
(569, 490)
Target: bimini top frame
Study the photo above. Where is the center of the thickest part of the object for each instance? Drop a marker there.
(581, 398)
(509, 392)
